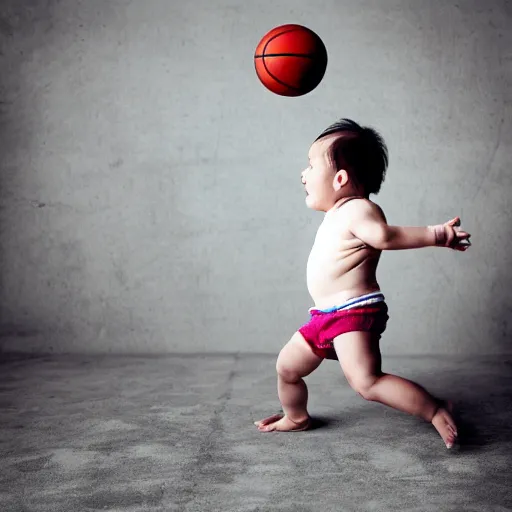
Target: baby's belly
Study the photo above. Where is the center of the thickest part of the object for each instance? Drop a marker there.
(332, 284)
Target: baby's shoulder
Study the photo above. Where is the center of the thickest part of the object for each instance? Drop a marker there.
(363, 207)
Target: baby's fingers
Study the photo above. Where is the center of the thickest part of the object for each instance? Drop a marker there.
(454, 222)
(461, 245)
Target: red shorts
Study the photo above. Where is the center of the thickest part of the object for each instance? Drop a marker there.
(322, 328)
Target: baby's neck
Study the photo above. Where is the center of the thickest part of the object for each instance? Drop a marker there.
(344, 200)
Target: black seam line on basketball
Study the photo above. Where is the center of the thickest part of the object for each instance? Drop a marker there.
(305, 55)
(277, 79)
(280, 34)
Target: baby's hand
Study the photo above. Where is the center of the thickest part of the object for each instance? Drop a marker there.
(450, 235)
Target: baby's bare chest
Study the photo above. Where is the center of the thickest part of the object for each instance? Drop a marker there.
(333, 241)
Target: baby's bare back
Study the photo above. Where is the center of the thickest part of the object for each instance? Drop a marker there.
(341, 266)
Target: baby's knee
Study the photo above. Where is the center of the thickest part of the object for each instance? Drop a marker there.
(286, 371)
(363, 385)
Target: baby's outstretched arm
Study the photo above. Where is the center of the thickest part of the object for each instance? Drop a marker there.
(371, 228)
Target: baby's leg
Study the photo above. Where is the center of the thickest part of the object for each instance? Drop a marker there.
(360, 359)
(296, 360)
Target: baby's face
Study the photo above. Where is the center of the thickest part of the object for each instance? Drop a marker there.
(318, 177)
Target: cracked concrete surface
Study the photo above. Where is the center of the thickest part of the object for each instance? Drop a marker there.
(175, 433)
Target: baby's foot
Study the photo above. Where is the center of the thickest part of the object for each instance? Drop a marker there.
(282, 423)
(444, 423)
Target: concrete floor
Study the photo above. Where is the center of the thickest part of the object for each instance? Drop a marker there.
(176, 433)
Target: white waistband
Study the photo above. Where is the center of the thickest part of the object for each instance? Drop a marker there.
(363, 300)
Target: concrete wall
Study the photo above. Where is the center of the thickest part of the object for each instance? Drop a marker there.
(150, 193)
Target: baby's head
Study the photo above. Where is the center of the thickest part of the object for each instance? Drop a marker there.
(345, 160)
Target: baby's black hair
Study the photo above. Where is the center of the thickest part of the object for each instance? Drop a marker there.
(362, 152)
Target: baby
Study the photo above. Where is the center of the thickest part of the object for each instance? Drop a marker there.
(347, 163)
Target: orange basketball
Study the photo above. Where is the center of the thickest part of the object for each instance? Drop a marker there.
(290, 60)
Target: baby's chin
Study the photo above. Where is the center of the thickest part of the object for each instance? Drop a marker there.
(311, 204)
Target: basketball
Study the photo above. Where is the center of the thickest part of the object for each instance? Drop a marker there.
(290, 60)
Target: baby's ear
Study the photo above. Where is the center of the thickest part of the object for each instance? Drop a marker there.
(340, 179)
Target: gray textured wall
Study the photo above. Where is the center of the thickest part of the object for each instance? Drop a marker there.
(150, 197)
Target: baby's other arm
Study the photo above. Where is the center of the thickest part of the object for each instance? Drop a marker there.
(370, 226)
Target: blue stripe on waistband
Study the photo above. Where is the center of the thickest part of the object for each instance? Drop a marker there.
(375, 296)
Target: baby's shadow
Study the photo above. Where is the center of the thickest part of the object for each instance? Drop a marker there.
(320, 422)
(483, 421)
